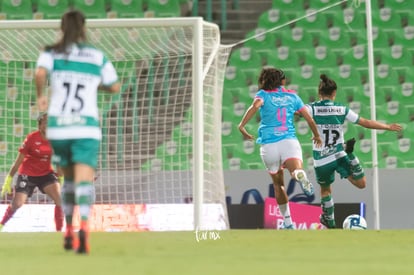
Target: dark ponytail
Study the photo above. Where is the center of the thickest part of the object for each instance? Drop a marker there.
(326, 85)
(73, 28)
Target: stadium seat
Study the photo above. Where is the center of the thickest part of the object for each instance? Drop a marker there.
(126, 9)
(390, 162)
(292, 9)
(404, 36)
(354, 18)
(16, 10)
(234, 78)
(323, 57)
(386, 19)
(357, 57)
(363, 150)
(380, 39)
(393, 112)
(163, 8)
(283, 58)
(398, 58)
(234, 164)
(386, 76)
(272, 18)
(346, 76)
(350, 130)
(51, 9)
(261, 41)
(398, 5)
(91, 8)
(313, 22)
(300, 41)
(336, 39)
(307, 76)
(248, 60)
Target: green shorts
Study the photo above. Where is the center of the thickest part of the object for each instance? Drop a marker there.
(71, 151)
(325, 175)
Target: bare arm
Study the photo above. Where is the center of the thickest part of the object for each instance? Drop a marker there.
(247, 116)
(316, 138)
(373, 124)
(40, 79)
(16, 164)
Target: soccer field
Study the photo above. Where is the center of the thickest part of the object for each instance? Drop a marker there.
(218, 252)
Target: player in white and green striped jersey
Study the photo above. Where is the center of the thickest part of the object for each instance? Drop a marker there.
(76, 71)
(332, 156)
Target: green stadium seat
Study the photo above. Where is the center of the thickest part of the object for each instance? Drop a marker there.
(385, 76)
(163, 8)
(391, 162)
(260, 41)
(234, 164)
(248, 60)
(336, 39)
(346, 76)
(248, 151)
(405, 91)
(234, 78)
(313, 22)
(292, 9)
(323, 57)
(126, 9)
(399, 6)
(363, 150)
(356, 57)
(354, 18)
(51, 9)
(386, 19)
(283, 58)
(16, 10)
(393, 112)
(299, 40)
(307, 76)
(307, 155)
(91, 8)
(404, 36)
(272, 18)
(398, 58)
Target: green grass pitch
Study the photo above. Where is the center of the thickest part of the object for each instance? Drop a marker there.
(214, 252)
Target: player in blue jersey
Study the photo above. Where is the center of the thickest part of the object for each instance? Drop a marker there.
(332, 156)
(279, 147)
(76, 71)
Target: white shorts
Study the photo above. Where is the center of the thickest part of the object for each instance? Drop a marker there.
(275, 154)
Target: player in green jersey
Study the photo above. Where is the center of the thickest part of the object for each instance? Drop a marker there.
(333, 156)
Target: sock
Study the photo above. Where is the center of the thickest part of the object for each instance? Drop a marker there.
(84, 198)
(7, 215)
(285, 211)
(356, 168)
(68, 201)
(328, 208)
(58, 218)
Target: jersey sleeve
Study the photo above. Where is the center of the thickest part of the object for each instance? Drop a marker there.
(24, 148)
(45, 60)
(352, 116)
(298, 103)
(108, 73)
(260, 95)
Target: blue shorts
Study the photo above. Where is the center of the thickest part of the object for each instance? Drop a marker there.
(71, 151)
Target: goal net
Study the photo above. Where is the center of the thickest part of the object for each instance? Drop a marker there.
(161, 146)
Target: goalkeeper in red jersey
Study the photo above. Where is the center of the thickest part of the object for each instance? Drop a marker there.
(33, 164)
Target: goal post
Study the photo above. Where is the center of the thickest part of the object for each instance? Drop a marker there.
(161, 145)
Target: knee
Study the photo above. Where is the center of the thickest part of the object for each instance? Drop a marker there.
(361, 183)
